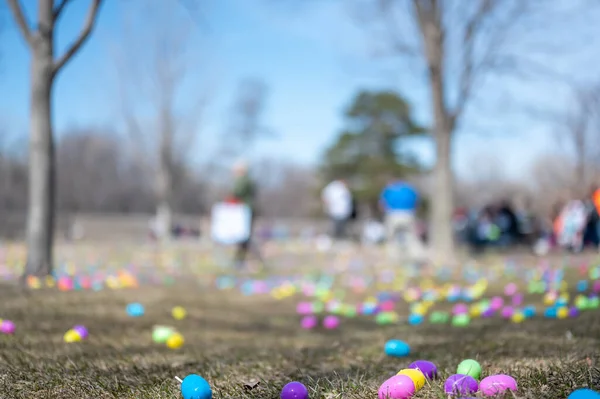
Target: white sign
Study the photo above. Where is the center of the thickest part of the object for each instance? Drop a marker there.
(230, 223)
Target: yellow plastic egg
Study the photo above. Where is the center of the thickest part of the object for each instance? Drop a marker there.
(562, 313)
(417, 377)
(475, 311)
(175, 341)
(72, 336)
(517, 317)
(549, 299)
(178, 313)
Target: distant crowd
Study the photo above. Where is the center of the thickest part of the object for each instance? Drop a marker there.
(574, 224)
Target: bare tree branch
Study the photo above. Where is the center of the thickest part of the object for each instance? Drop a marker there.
(83, 36)
(399, 45)
(59, 8)
(19, 16)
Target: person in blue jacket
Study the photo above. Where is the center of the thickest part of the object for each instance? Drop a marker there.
(399, 201)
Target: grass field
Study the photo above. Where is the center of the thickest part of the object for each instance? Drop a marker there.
(236, 340)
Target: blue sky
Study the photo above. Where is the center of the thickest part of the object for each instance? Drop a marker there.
(313, 60)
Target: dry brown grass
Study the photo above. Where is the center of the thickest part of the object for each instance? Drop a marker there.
(232, 339)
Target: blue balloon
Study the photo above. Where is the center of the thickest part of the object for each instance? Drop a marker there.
(195, 387)
(584, 393)
(396, 348)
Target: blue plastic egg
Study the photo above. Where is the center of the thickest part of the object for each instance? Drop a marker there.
(195, 387)
(582, 285)
(550, 313)
(415, 319)
(396, 348)
(584, 393)
(529, 311)
(135, 309)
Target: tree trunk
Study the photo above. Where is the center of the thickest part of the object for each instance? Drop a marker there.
(442, 199)
(165, 179)
(40, 221)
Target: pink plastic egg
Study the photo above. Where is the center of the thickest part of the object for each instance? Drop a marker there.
(309, 322)
(496, 303)
(304, 308)
(331, 322)
(460, 308)
(397, 387)
(7, 327)
(497, 384)
(507, 312)
(510, 289)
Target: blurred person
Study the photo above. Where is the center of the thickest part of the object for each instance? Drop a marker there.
(571, 225)
(592, 229)
(337, 200)
(508, 223)
(399, 201)
(244, 191)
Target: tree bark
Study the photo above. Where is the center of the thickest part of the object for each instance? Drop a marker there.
(40, 221)
(164, 213)
(442, 201)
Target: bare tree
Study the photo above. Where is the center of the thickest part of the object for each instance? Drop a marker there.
(579, 130)
(246, 115)
(45, 66)
(461, 42)
(155, 69)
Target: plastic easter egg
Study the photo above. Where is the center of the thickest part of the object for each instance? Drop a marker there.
(517, 317)
(550, 313)
(417, 377)
(195, 387)
(396, 348)
(529, 311)
(460, 384)
(397, 387)
(582, 285)
(7, 327)
(178, 313)
(175, 341)
(71, 336)
(331, 322)
(309, 322)
(461, 320)
(584, 393)
(494, 385)
(160, 334)
(415, 319)
(510, 289)
(135, 309)
(81, 330)
(469, 367)
(562, 312)
(294, 390)
(426, 367)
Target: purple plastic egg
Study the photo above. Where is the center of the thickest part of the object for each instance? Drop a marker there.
(497, 384)
(82, 331)
(460, 384)
(309, 322)
(573, 311)
(397, 387)
(7, 327)
(294, 390)
(428, 369)
(507, 312)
